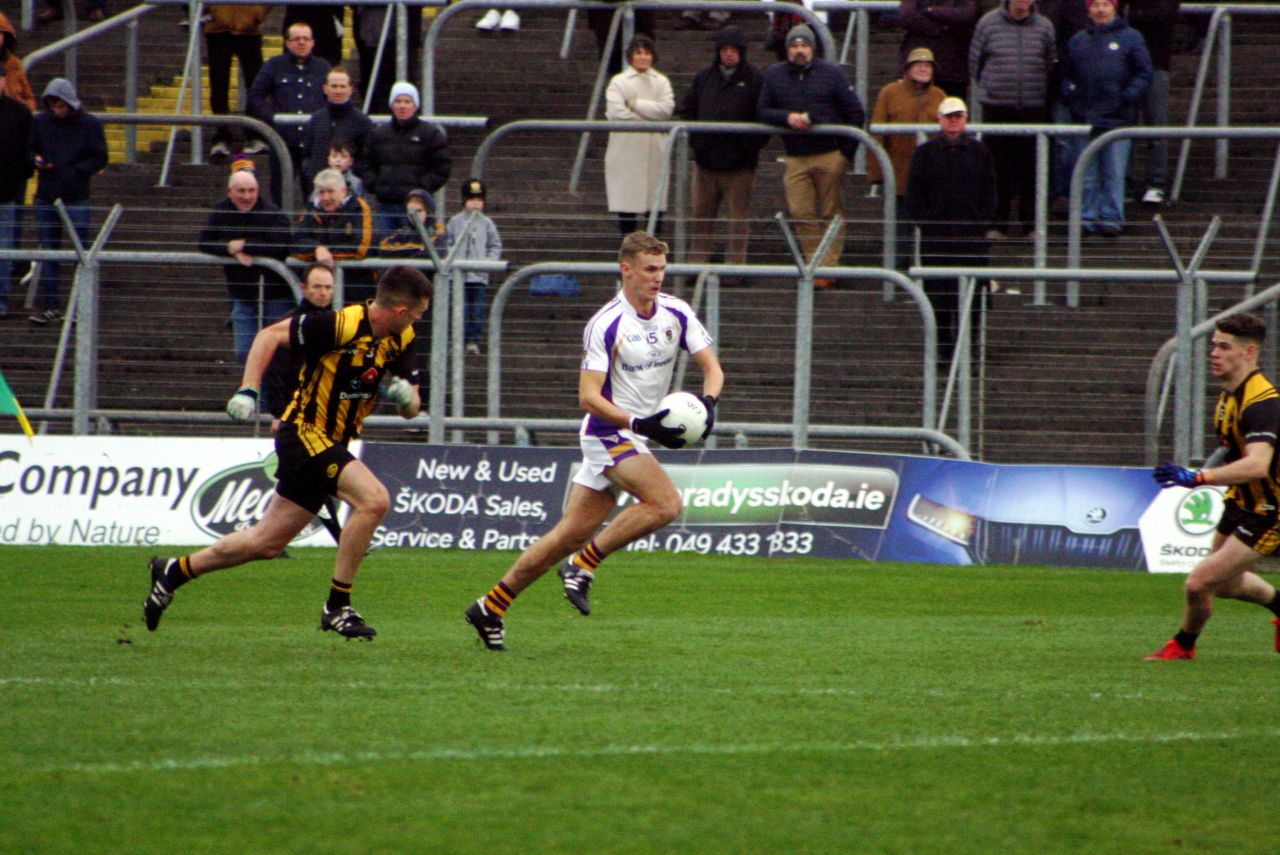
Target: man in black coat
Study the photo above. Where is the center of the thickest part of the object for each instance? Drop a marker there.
(245, 226)
(1156, 20)
(404, 154)
(724, 164)
(339, 119)
(951, 197)
(67, 146)
(291, 83)
(15, 169)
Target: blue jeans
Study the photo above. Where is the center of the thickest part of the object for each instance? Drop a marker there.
(49, 233)
(1103, 203)
(10, 231)
(244, 321)
(475, 300)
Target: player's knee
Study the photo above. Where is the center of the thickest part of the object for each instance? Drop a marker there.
(376, 504)
(1197, 588)
(670, 508)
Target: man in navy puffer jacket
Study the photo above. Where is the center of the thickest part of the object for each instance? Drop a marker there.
(1105, 75)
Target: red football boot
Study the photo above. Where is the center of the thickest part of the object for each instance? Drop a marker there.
(1172, 650)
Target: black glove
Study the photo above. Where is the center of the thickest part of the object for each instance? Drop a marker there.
(652, 427)
(709, 401)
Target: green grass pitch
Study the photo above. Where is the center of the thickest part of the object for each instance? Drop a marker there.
(708, 705)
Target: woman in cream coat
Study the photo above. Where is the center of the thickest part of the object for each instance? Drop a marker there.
(633, 162)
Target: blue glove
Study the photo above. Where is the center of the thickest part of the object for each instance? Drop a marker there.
(1173, 475)
(243, 404)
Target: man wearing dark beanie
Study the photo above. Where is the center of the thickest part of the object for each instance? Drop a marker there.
(799, 94)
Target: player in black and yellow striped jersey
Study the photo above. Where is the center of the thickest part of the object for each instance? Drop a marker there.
(1247, 418)
(346, 356)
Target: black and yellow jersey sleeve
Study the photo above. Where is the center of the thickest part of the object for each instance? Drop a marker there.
(1247, 414)
(342, 366)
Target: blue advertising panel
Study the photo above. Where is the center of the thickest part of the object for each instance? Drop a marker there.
(782, 503)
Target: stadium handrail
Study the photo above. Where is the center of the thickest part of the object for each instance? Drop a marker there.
(619, 9)
(1096, 144)
(800, 427)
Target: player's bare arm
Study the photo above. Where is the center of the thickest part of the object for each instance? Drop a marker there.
(1253, 466)
(592, 400)
(712, 373)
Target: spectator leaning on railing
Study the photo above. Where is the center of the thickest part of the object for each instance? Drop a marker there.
(245, 226)
(339, 227)
(67, 148)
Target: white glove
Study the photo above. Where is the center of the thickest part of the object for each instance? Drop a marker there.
(243, 404)
(399, 391)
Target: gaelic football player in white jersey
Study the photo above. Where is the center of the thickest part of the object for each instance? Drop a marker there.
(630, 348)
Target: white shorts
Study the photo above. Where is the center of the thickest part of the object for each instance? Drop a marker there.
(601, 452)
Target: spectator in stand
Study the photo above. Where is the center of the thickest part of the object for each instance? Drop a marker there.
(324, 22)
(367, 23)
(1011, 57)
(507, 20)
(405, 241)
(339, 119)
(951, 197)
(18, 86)
(231, 30)
(67, 148)
(245, 227)
(15, 169)
(913, 100)
(1156, 20)
(1105, 75)
(798, 94)
(724, 164)
(404, 154)
(944, 27)
(340, 159)
(1068, 17)
(477, 238)
(633, 162)
(94, 10)
(289, 84)
(339, 228)
(599, 20)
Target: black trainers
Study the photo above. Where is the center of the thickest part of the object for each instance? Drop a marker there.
(160, 597)
(347, 622)
(577, 585)
(488, 625)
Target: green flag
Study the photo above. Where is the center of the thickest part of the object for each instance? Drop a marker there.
(9, 406)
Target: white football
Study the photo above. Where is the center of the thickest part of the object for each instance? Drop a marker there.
(688, 415)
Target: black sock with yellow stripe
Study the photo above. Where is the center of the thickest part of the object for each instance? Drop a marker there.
(499, 599)
(178, 573)
(339, 596)
(588, 558)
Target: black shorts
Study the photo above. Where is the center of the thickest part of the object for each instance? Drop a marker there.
(1258, 532)
(306, 479)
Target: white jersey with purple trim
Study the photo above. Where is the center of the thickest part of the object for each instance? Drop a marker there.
(637, 354)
